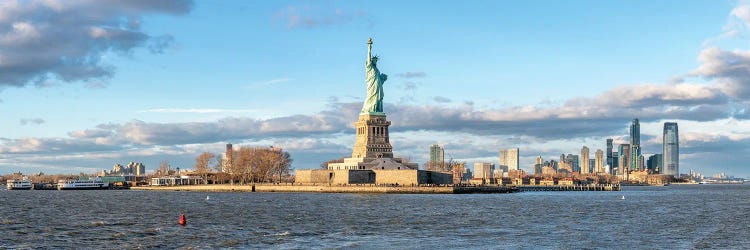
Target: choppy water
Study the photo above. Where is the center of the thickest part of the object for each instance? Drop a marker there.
(674, 217)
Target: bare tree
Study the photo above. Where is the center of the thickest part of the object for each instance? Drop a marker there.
(202, 165)
(163, 169)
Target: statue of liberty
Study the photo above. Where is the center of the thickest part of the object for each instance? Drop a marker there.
(374, 80)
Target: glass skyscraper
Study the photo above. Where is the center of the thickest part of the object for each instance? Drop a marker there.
(624, 158)
(635, 145)
(671, 149)
(609, 156)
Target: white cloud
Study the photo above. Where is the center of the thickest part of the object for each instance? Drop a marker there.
(40, 39)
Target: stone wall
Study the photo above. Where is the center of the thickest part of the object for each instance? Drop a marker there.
(380, 177)
(435, 177)
(334, 177)
(396, 177)
(361, 176)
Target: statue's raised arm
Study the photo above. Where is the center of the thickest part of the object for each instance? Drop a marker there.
(369, 50)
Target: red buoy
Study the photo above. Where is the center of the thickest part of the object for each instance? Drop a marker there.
(183, 221)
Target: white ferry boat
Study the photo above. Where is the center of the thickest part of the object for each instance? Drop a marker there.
(82, 184)
(23, 184)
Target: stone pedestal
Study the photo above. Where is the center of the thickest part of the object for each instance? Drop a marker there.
(372, 137)
(372, 148)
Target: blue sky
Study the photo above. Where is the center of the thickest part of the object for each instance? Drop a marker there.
(87, 84)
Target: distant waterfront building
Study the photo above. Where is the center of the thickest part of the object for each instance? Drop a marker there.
(641, 163)
(635, 146)
(609, 159)
(585, 163)
(133, 168)
(572, 160)
(539, 164)
(599, 161)
(546, 170)
(509, 157)
(136, 168)
(671, 149)
(226, 159)
(553, 164)
(624, 159)
(615, 164)
(654, 163)
(565, 167)
(562, 158)
(483, 170)
(503, 168)
(437, 158)
(538, 168)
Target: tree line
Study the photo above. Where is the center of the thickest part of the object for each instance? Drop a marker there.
(246, 165)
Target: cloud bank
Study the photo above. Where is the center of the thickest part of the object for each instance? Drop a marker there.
(65, 40)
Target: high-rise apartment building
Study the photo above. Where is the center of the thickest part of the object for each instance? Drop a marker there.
(585, 167)
(437, 158)
(671, 149)
(599, 162)
(509, 158)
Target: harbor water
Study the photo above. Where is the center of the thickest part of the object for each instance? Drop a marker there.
(671, 217)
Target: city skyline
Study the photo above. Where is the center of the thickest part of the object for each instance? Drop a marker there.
(144, 82)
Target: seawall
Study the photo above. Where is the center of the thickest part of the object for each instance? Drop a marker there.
(329, 189)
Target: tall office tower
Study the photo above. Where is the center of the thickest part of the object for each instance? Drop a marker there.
(671, 149)
(654, 163)
(539, 160)
(599, 161)
(562, 158)
(585, 167)
(624, 159)
(635, 145)
(509, 158)
(609, 158)
(573, 161)
(437, 158)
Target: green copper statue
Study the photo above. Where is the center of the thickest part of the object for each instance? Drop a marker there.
(374, 80)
